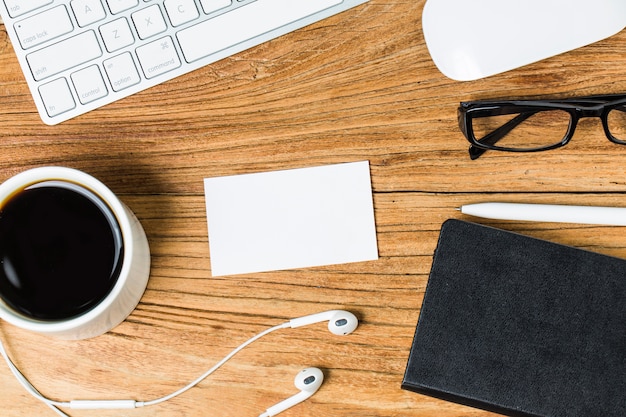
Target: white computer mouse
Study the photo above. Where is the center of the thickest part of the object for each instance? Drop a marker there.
(473, 39)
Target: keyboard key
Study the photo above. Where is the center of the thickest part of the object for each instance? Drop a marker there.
(158, 57)
(243, 23)
(19, 7)
(64, 55)
(57, 97)
(118, 6)
(89, 84)
(181, 11)
(88, 11)
(210, 6)
(149, 22)
(121, 71)
(43, 27)
(116, 34)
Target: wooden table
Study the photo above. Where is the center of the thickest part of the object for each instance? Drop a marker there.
(359, 86)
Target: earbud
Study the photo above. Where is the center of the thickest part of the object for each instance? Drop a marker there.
(308, 381)
(340, 322)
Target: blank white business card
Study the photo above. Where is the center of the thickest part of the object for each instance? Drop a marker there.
(290, 219)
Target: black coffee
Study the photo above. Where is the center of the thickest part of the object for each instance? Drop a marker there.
(60, 252)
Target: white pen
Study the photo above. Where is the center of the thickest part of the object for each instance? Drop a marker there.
(614, 216)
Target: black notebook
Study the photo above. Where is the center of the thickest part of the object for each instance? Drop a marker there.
(521, 326)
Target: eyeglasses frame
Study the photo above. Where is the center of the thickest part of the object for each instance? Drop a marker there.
(577, 107)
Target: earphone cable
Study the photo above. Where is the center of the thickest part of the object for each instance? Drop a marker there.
(54, 405)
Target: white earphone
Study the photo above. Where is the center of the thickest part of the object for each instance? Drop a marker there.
(308, 381)
(340, 322)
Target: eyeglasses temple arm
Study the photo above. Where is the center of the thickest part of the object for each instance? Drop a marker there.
(493, 137)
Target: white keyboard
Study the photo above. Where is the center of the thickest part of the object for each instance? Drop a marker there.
(78, 55)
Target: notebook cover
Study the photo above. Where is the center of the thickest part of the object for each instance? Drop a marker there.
(521, 326)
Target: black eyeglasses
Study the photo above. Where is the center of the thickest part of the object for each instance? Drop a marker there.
(537, 125)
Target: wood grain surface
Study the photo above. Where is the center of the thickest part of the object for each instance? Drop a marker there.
(357, 86)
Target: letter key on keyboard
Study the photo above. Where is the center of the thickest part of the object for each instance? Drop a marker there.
(88, 11)
(78, 55)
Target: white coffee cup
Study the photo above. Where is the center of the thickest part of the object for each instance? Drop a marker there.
(134, 269)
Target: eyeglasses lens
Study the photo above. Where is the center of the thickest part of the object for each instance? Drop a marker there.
(527, 130)
(616, 121)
